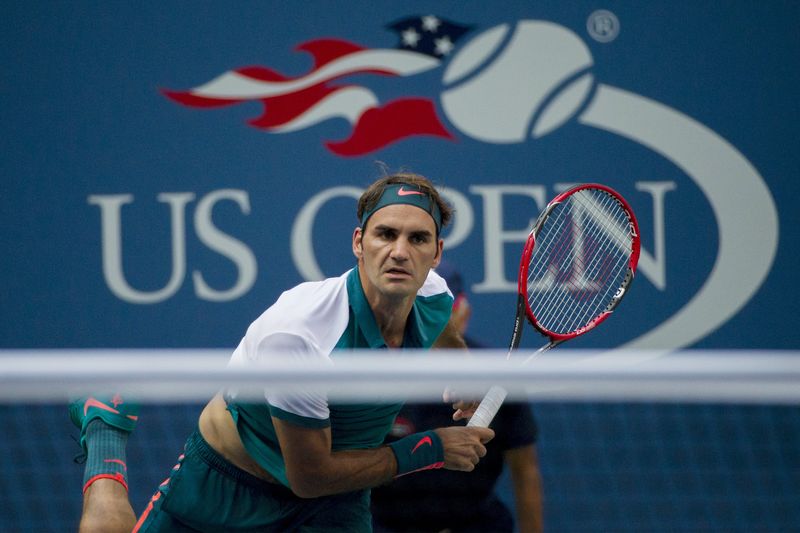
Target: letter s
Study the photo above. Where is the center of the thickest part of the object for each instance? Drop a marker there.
(224, 244)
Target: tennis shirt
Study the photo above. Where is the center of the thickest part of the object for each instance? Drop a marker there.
(311, 322)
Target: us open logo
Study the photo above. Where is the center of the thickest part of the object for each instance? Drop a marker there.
(510, 84)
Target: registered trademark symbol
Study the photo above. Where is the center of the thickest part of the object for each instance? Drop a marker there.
(603, 26)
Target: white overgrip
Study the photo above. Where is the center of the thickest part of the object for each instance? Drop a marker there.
(488, 407)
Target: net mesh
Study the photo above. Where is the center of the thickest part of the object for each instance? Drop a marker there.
(607, 464)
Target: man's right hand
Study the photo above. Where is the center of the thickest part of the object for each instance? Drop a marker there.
(463, 446)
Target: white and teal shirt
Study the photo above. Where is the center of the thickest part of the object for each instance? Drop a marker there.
(311, 322)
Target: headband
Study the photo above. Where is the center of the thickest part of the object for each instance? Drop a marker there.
(403, 193)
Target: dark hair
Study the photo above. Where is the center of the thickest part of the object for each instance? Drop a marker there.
(370, 198)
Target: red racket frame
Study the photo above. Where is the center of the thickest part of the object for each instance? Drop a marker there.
(530, 244)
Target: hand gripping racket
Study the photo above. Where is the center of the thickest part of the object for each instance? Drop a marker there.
(578, 262)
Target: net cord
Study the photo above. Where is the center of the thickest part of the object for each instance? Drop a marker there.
(33, 376)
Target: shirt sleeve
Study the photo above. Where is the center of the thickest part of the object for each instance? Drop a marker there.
(297, 405)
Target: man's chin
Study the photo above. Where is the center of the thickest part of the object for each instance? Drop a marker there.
(402, 286)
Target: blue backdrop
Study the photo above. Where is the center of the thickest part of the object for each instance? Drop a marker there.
(168, 169)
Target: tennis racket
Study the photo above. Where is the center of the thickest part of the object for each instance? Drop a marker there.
(577, 264)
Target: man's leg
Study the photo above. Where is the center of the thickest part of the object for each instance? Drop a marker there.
(105, 425)
(106, 508)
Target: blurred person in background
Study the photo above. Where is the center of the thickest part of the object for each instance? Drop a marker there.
(456, 501)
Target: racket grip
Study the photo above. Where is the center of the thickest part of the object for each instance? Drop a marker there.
(488, 407)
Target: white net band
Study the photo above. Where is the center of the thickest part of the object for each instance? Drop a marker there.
(195, 375)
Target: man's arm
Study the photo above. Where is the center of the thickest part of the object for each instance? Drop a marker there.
(314, 470)
(451, 336)
(524, 467)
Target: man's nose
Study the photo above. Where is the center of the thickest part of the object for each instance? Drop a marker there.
(400, 249)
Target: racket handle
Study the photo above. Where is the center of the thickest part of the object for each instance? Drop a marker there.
(488, 407)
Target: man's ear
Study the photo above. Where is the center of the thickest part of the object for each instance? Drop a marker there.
(439, 249)
(357, 249)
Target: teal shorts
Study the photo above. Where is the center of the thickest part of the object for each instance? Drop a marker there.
(207, 493)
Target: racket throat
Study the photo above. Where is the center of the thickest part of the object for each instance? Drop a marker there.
(516, 335)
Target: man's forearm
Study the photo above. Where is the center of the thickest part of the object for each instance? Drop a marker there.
(344, 471)
(450, 337)
(313, 470)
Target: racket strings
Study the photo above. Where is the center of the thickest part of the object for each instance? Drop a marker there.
(579, 261)
(564, 286)
(586, 296)
(587, 292)
(575, 305)
(609, 256)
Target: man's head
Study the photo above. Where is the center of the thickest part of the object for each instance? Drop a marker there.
(398, 241)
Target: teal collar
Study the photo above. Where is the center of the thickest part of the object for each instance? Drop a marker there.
(363, 312)
(366, 319)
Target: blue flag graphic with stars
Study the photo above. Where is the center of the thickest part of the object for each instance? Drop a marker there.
(429, 34)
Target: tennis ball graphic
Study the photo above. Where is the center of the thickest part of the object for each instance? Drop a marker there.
(510, 83)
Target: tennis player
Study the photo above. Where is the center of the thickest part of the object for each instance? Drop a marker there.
(297, 461)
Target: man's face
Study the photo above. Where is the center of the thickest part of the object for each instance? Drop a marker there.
(396, 250)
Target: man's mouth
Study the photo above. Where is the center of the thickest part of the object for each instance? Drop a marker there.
(398, 272)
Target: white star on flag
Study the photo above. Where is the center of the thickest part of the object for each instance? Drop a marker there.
(443, 45)
(411, 37)
(430, 23)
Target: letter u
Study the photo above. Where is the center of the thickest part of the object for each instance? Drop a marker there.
(111, 239)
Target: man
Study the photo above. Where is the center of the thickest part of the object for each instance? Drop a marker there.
(461, 502)
(296, 461)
